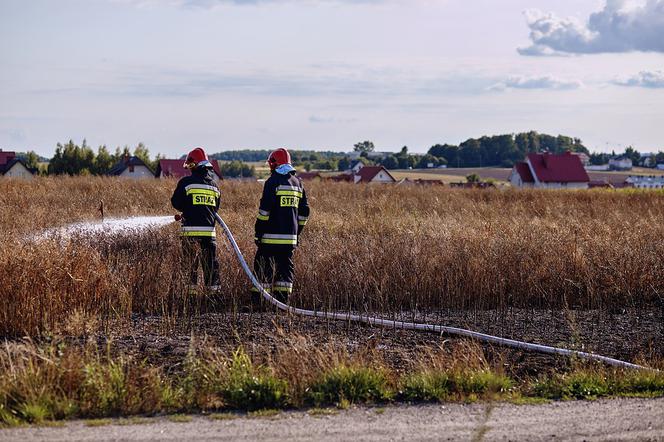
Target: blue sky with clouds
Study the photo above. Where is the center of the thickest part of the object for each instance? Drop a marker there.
(325, 74)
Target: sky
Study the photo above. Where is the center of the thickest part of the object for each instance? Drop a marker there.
(326, 74)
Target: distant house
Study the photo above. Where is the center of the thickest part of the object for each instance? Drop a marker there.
(550, 171)
(309, 176)
(521, 176)
(131, 167)
(420, 182)
(356, 166)
(366, 174)
(176, 169)
(660, 166)
(373, 174)
(13, 167)
(622, 163)
(585, 159)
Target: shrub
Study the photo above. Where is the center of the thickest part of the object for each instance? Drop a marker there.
(354, 384)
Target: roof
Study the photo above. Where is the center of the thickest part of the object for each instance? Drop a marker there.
(563, 168)
(342, 177)
(368, 173)
(308, 175)
(4, 168)
(121, 165)
(524, 172)
(356, 162)
(6, 157)
(176, 169)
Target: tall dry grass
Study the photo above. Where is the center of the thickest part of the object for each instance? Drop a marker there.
(378, 249)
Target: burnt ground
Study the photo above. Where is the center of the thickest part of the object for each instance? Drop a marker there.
(632, 335)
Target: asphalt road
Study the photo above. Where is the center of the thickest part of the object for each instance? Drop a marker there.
(618, 419)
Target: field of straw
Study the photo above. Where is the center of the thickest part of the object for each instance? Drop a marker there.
(376, 249)
(98, 325)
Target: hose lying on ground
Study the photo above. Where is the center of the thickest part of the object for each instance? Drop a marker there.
(417, 326)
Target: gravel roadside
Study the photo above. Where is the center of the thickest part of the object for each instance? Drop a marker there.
(616, 419)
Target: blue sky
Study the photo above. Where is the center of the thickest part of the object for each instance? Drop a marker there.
(324, 74)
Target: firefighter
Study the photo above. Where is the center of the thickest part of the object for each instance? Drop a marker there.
(282, 215)
(197, 197)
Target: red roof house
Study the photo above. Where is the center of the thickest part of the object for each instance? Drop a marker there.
(373, 174)
(13, 167)
(546, 170)
(176, 169)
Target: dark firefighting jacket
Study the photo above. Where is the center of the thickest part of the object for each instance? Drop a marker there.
(283, 210)
(197, 197)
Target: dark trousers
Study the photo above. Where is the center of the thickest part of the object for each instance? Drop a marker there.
(201, 252)
(274, 269)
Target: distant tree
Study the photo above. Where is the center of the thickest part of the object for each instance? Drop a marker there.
(32, 159)
(103, 161)
(633, 155)
(71, 159)
(344, 164)
(598, 159)
(659, 158)
(426, 160)
(235, 169)
(473, 178)
(364, 146)
(390, 162)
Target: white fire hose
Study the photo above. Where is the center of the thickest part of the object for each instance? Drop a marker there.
(439, 329)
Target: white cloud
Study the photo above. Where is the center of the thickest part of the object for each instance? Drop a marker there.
(647, 79)
(546, 82)
(620, 26)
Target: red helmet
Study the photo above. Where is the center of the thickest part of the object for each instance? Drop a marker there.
(195, 158)
(278, 158)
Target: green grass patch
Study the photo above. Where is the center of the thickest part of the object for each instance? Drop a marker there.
(179, 418)
(98, 422)
(352, 384)
(248, 387)
(438, 386)
(222, 416)
(134, 420)
(266, 413)
(319, 412)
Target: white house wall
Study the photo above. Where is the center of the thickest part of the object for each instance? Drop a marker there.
(18, 170)
(382, 177)
(139, 172)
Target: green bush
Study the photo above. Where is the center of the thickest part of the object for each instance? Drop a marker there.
(426, 386)
(252, 388)
(353, 384)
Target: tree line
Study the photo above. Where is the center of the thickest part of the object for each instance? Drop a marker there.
(487, 151)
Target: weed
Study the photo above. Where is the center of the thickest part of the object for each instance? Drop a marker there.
(98, 422)
(222, 416)
(319, 412)
(180, 418)
(265, 413)
(352, 384)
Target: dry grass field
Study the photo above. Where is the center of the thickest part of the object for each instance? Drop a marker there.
(380, 249)
(580, 269)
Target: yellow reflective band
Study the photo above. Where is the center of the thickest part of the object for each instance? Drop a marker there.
(278, 241)
(263, 217)
(302, 223)
(283, 289)
(198, 233)
(289, 193)
(202, 192)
